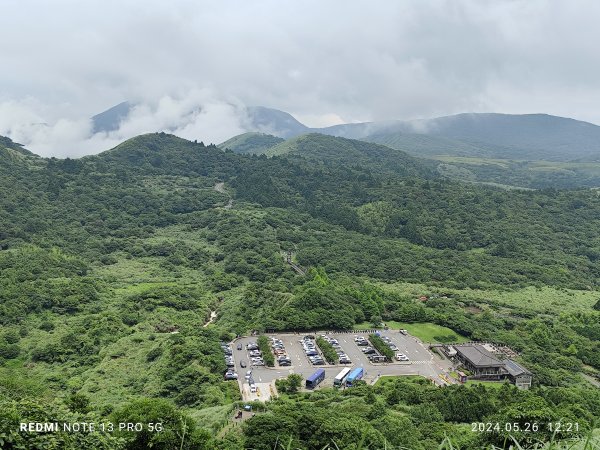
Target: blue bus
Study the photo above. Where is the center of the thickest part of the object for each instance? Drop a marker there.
(354, 376)
(314, 380)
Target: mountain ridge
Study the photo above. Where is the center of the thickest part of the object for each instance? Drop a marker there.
(534, 136)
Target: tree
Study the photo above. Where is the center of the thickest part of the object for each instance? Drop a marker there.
(376, 321)
(79, 403)
(294, 382)
(178, 430)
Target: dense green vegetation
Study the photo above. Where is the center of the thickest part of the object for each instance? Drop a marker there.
(111, 265)
(526, 174)
(412, 413)
(327, 350)
(379, 345)
(265, 347)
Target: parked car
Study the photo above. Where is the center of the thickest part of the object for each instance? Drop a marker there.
(253, 388)
(242, 363)
(401, 357)
(404, 332)
(239, 346)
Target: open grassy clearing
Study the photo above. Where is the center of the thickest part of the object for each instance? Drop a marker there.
(544, 300)
(427, 332)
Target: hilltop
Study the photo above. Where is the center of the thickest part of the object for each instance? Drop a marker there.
(489, 135)
(342, 151)
(251, 142)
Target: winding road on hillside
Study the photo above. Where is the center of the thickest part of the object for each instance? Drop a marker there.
(220, 187)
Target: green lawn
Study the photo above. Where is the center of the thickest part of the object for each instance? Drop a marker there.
(426, 332)
(489, 384)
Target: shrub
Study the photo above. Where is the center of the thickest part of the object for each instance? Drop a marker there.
(328, 351)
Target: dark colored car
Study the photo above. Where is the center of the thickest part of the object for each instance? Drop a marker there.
(239, 346)
(242, 363)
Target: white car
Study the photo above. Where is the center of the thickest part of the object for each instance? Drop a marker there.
(253, 388)
(401, 357)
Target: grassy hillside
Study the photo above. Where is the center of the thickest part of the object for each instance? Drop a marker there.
(331, 150)
(507, 136)
(530, 174)
(254, 143)
(527, 136)
(431, 146)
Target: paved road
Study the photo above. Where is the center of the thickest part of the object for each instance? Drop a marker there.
(422, 361)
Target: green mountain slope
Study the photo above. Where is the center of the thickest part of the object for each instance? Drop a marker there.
(112, 265)
(252, 142)
(340, 151)
(527, 136)
(161, 153)
(508, 136)
(13, 157)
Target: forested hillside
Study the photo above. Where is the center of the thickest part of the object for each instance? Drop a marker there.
(111, 265)
(257, 143)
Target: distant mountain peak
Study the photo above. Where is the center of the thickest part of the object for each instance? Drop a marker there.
(110, 120)
(273, 121)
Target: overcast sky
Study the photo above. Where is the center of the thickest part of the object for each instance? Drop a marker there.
(325, 62)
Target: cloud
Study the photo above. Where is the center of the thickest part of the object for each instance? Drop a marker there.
(357, 60)
(197, 114)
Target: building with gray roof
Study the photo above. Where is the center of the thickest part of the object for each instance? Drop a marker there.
(483, 364)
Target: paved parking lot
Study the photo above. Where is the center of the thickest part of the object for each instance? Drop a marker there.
(422, 362)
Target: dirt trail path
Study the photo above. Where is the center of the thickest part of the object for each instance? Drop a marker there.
(213, 316)
(220, 187)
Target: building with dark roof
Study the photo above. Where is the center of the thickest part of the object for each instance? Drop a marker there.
(479, 361)
(483, 364)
